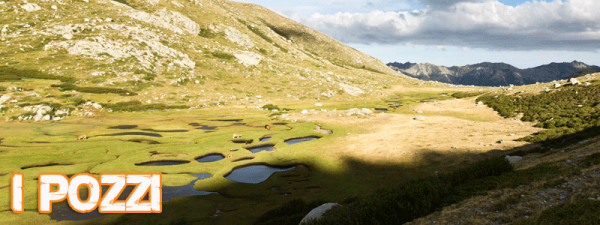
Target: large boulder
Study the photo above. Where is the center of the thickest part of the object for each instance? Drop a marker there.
(574, 81)
(4, 98)
(421, 118)
(316, 213)
(248, 58)
(514, 159)
(31, 7)
(366, 111)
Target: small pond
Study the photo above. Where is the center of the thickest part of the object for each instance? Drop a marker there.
(254, 174)
(203, 127)
(261, 148)
(162, 163)
(301, 139)
(265, 139)
(124, 127)
(134, 133)
(210, 158)
(166, 131)
(230, 120)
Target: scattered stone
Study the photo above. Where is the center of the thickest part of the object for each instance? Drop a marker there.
(514, 159)
(5, 98)
(170, 20)
(354, 91)
(54, 7)
(249, 58)
(511, 135)
(304, 112)
(366, 111)
(31, 7)
(419, 118)
(556, 85)
(318, 104)
(479, 103)
(238, 37)
(574, 81)
(316, 213)
(419, 111)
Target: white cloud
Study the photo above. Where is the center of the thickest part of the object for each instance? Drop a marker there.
(571, 25)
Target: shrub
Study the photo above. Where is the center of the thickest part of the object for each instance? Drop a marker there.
(206, 33)
(465, 94)
(132, 106)
(270, 107)
(94, 90)
(409, 200)
(569, 115)
(580, 211)
(223, 55)
(12, 74)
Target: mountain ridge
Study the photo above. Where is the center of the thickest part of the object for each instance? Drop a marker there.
(491, 74)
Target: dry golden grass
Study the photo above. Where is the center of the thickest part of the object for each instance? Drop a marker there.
(397, 137)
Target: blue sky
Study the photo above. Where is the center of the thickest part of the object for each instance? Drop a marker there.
(456, 32)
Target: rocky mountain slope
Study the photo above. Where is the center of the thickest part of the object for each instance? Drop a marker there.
(198, 53)
(491, 74)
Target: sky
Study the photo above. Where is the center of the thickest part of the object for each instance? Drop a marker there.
(456, 32)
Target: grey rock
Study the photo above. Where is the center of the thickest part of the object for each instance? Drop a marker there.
(513, 159)
(421, 118)
(316, 213)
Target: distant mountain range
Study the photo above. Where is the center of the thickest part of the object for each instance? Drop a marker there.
(493, 74)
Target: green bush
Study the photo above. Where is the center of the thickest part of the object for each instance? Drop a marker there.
(420, 197)
(13, 74)
(223, 55)
(94, 90)
(580, 211)
(206, 33)
(270, 107)
(123, 1)
(133, 106)
(465, 94)
(409, 200)
(569, 115)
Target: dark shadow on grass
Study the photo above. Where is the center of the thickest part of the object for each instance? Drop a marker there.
(370, 192)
